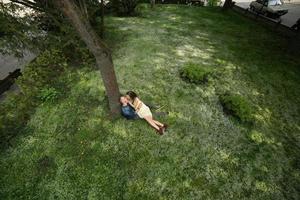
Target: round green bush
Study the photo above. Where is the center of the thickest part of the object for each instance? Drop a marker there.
(237, 106)
(194, 73)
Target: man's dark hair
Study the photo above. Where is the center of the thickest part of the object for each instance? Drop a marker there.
(121, 95)
(132, 94)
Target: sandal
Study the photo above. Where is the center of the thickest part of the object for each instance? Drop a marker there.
(160, 131)
(165, 126)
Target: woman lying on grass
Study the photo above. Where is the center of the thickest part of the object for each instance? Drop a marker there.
(144, 112)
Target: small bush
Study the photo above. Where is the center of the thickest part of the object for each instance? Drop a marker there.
(125, 7)
(195, 74)
(213, 2)
(237, 106)
(43, 72)
(49, 94)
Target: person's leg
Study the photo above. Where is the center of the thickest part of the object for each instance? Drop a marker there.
(158, 123)
(151, 122)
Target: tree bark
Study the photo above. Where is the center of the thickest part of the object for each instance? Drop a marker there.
(98, 48)
(83, 8)
(102, 19)
(152, 2)
(294, 44)
(228, 4)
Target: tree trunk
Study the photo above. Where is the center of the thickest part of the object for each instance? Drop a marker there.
(97, 48)
(294, 45)
(83, 8)
(228, 4)
(102, 19)
(152, 2)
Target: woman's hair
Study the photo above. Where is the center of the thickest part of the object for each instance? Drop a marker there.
(131, 94)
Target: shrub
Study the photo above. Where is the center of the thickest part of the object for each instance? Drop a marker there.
(43, 72)
(194, 73)
(39, 82)
(237, 106)
(125, 7)
(48, 94)
(213, 2)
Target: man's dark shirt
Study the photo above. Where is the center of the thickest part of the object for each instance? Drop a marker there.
(128, 112)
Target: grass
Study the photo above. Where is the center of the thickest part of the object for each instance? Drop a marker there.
(194, 74)
(70, 150)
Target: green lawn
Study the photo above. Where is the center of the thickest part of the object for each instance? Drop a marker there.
(71, 150)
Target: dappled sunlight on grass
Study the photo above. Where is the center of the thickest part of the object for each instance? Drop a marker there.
(263, 116)
(259, 138)
(191, 51)
(205, 154)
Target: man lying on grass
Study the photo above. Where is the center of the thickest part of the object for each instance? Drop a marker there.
(134, 108)
(127, 111)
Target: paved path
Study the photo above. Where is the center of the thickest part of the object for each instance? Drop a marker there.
(288, 19)
(9, 63)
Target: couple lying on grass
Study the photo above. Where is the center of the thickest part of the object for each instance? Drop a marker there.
(134, 108)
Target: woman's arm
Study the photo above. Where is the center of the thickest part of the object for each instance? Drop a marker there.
(137, 104)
